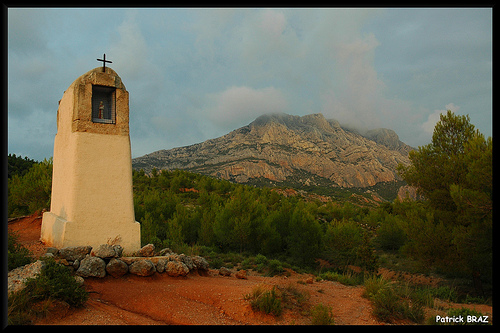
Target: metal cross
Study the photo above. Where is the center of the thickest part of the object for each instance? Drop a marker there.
(104, 61)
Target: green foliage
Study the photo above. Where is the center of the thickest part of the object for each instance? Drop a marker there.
(341, 242)
(321, 315)
(392, 301)
(266, 301)
(349, 278)
(305, 236)
(454, 173)
(17, 255)
(55, 282)
(17, 165)
(30, 192)
(391, 235)
(440, 164)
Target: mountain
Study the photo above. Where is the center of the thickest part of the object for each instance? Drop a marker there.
(294, 151)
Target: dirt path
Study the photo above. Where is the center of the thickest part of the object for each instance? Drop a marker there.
(196, 300)
(205, 300)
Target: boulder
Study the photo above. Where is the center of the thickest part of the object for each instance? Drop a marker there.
(142, 268)
(104, 251)
(116, 268)
(118, 250)
(92, 267)
(18, 276)
(176, 268)
(73, 253)
(160, 265)
(165, 251)
(200, 263)
(146, 251)
(241, 274)
(187, 261)
(224, 271)
(52, 250)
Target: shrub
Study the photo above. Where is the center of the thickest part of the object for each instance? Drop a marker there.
(321, 315)
(275, 267)
(391, 301)
(390, 235)
(349, 278)
(266, 301)
(55, 282)
(373, 284)
(17, 255)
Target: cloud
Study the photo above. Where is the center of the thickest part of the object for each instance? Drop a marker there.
(237, 106)
(355, 95)
(273, 23)
(130, 48)
(434, 117)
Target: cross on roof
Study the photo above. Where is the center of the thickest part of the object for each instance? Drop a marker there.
(104, 61)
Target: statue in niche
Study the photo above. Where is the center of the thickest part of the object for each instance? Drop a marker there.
(101, 109)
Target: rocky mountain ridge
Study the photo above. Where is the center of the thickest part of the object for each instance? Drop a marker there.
(289, 150)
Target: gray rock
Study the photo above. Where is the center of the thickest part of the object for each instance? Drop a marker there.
(73, 253)
(18, 276)
(142, 268)
(79, 280)
(92, 267)
(176, 268)
(104, 251)
(224, 271)
(118, 250)
(160, 265)
(165, 251)
(52, 250)
(200, 263)
(187, 261)
(146, 251)
(116, 268)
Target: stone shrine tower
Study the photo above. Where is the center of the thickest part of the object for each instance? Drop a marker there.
(92, 200)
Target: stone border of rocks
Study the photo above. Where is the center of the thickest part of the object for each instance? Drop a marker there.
(107, 259)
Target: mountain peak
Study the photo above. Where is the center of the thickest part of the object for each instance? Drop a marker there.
(290, 150)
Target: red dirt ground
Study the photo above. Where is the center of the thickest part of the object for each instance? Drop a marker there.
(199, 300)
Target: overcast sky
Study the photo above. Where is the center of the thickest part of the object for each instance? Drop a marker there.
(196, 74)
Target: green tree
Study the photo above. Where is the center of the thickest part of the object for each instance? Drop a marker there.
(341, 242)
(31, 192)
(304, 240)
(438, 165)
(454, 172)
(473, 198)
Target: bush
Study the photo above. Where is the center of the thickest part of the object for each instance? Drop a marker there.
(55, 282)
(390, 235)
(321, 315)
(266, 301)
(349, 278)
(275, 267)
(390, 301)
(17, 255)
(373, 284)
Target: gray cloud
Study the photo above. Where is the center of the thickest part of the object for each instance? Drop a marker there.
(194, 74)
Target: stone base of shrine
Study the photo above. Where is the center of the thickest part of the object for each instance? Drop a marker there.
(58, 232)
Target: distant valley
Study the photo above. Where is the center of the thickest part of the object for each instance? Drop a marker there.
(308, 152)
